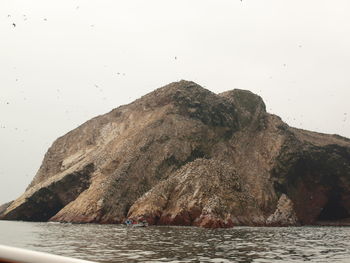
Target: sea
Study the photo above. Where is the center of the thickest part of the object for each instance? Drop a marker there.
(118, 243)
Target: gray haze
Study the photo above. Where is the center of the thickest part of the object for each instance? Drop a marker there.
(64, 62)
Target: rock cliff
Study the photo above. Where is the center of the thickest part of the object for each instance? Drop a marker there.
(183, 155)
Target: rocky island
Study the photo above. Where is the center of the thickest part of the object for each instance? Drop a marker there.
(182, 155)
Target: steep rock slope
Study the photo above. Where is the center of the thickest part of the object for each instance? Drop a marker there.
(183, 155)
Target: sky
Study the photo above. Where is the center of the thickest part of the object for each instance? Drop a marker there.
(64, 62)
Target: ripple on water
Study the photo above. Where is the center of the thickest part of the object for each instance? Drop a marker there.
(115, 243)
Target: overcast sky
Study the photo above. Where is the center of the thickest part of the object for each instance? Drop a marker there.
(64, 62)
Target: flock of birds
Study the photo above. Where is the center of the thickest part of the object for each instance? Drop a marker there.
(45, 19)
(24, 18)
(118, 73)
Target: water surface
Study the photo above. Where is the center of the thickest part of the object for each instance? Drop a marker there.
(115, 243)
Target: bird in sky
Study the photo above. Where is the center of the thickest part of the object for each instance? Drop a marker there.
(14, 25)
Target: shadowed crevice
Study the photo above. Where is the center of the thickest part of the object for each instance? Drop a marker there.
(334, 209)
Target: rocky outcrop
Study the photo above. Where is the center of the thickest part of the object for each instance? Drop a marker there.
(284, 214)
(183, 155)
(4, 207)
(44, 200)
(205, 193)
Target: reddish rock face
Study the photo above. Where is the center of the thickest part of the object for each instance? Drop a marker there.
(209, 222)
(317, 180)
(183, 155)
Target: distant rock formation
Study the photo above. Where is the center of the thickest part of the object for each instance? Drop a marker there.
(183, 155)
(4, 207)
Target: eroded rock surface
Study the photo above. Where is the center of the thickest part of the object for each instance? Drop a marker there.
(284, 214)
(204, 192)
(41, 202)
(183, 155)
(4, 207)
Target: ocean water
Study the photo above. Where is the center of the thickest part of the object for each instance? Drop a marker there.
(116, 243)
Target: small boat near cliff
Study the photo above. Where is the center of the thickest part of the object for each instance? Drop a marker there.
(133, 223)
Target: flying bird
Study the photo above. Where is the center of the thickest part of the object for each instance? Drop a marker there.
(14, 25)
